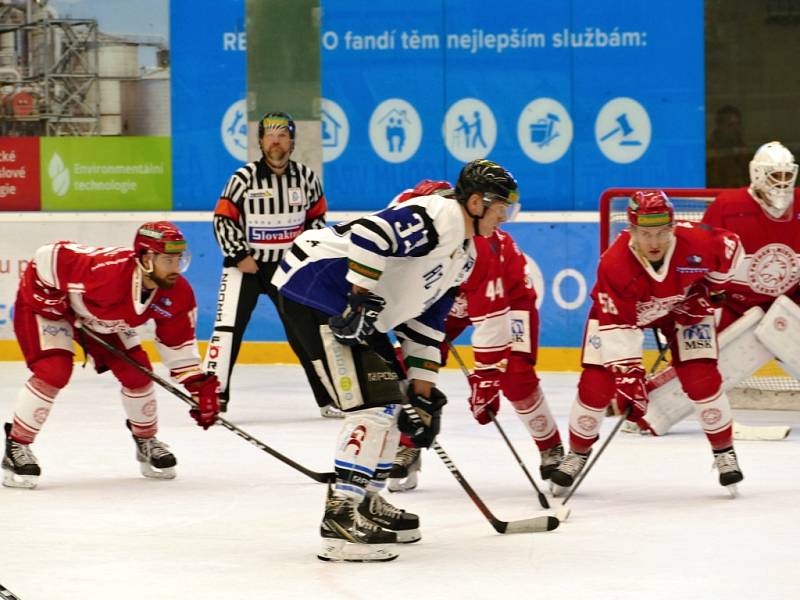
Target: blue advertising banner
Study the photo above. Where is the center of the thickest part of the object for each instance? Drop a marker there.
(209, 110)
(573, 97)
(562, 258)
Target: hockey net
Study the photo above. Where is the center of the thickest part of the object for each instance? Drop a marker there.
(770, 387)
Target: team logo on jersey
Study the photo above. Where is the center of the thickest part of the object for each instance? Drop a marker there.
(655, 308)
(295, 197)
(773, 270)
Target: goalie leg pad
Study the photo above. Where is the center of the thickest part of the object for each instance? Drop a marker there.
(362, 441)
(779, 331)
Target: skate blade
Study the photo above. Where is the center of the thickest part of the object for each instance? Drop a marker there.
(557, 490)
(12, 480)
(408, 536)
(152, 473)
(344, 551)
(401, 485)
(732, 490)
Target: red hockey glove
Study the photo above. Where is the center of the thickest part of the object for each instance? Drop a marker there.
(51, 303)
(695, 307)
(204, 391)
(484, 394)
(630, 392)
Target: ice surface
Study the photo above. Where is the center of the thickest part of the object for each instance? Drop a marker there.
(650, 521)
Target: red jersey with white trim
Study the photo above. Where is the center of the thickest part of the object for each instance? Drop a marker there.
(498, 283)
(104, 289)
(771, 264)
(629, 295)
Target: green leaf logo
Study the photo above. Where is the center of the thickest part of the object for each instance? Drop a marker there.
(59, 175)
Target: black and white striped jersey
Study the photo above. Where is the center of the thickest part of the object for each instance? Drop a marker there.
(261, 213)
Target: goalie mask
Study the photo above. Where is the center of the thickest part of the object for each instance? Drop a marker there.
(773, 173)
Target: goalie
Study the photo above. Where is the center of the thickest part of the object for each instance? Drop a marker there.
(760, 318)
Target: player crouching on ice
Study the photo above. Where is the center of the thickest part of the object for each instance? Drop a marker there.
(660, 273)
(109, 290)
(344, 288)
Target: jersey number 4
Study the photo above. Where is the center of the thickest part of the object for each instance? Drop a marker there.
(494, 289)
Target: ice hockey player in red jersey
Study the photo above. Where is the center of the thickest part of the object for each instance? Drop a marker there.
(759, 315)
(660, 273)
(498, 299)
(110, 290)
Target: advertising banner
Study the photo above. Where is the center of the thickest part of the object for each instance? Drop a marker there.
(209, 110)
(573, 97)
(19, 173)
(106, 173)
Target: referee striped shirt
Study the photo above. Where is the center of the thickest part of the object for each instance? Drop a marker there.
(253, 193)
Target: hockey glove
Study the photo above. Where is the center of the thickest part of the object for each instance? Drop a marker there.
(204, 392)
(357, 322)
(484, 394)
(424, 426)
(49, 302)
(631, 393)
(697, 305)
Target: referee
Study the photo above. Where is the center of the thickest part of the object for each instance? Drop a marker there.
(263, 208)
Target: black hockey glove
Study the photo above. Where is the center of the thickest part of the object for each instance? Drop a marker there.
(357, 322)
(423, 426)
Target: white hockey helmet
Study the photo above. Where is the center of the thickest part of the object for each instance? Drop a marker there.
(773, 173)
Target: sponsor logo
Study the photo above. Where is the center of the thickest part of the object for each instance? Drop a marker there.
(697, 337)
(346, 383)
(382, 376)
(161, 311)
(711, 416)
(268, 235)
(694, 259)
(59, 175)
(356, 438)
(595, 342)
(773, 270)
(691, 269)
(56, 330)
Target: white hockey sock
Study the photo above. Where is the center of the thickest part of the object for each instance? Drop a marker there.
(716, 419)
(141, 409)
(361, 444)
(385, 461)
(584, 425)
(34, 402)
(534, 412)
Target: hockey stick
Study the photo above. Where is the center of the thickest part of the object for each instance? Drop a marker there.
(320, 477)
(7, 594)
(563, 513)
(754, 433)
(542, 499)
(533, 525)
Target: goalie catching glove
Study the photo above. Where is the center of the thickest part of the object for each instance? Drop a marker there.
(357, 322)
(424, 429)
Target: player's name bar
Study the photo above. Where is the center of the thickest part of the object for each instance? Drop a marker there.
(201, 216)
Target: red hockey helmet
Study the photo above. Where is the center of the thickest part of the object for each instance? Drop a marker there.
(650, 208)
(162, 237)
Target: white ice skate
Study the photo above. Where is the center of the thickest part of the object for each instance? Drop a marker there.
(405, 470)
(329, 411)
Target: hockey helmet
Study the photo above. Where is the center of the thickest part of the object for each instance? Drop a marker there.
(276, 120)
(650, 208)
(162, 237)
(773, 174)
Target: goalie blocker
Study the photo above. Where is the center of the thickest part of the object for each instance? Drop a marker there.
(745, 346)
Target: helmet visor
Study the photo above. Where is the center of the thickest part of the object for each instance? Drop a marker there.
(173, 263)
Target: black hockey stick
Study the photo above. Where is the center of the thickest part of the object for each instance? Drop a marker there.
(7, 594)
(542, 499)
(564, 511)
(320, 477)
(533, 525)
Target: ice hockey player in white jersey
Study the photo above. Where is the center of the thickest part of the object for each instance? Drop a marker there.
(343, 289)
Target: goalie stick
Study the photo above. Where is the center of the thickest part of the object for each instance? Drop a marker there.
(542, 499)
(320, 477)
(754, 433)
(532, 525)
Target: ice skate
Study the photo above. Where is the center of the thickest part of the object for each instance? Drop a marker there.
(405, 470)
(549, 460)
(20, 467)
(349, 537)
(729, 473)
(155, 460)
(329, 411)
(562, 478)
(380, 512)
